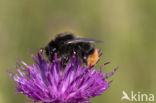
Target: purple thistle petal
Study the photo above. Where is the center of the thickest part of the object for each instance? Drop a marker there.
(49, 83)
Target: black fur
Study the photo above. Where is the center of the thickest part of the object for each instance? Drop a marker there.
(65, 50)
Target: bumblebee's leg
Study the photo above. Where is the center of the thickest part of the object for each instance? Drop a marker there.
(80, 54)
(65, 61)
(85, 60)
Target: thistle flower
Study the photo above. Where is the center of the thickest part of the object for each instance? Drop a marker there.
(51, 83)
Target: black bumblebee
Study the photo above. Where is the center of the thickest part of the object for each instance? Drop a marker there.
(64, 44)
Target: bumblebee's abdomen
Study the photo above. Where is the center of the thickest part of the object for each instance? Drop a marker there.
(93, 58)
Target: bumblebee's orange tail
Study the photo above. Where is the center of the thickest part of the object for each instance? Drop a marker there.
(92, 59)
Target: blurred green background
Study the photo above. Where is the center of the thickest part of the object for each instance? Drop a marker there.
(127, 27)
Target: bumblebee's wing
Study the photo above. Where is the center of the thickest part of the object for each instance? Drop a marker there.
(77, 40)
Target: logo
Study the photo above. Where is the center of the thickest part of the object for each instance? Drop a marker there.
(137, 96)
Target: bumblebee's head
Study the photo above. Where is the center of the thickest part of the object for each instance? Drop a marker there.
(50, 50)
(93, 58)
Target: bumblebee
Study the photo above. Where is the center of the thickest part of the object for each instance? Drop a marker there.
(64, 44)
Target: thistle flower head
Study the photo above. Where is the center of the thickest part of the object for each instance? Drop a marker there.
(51, 83)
